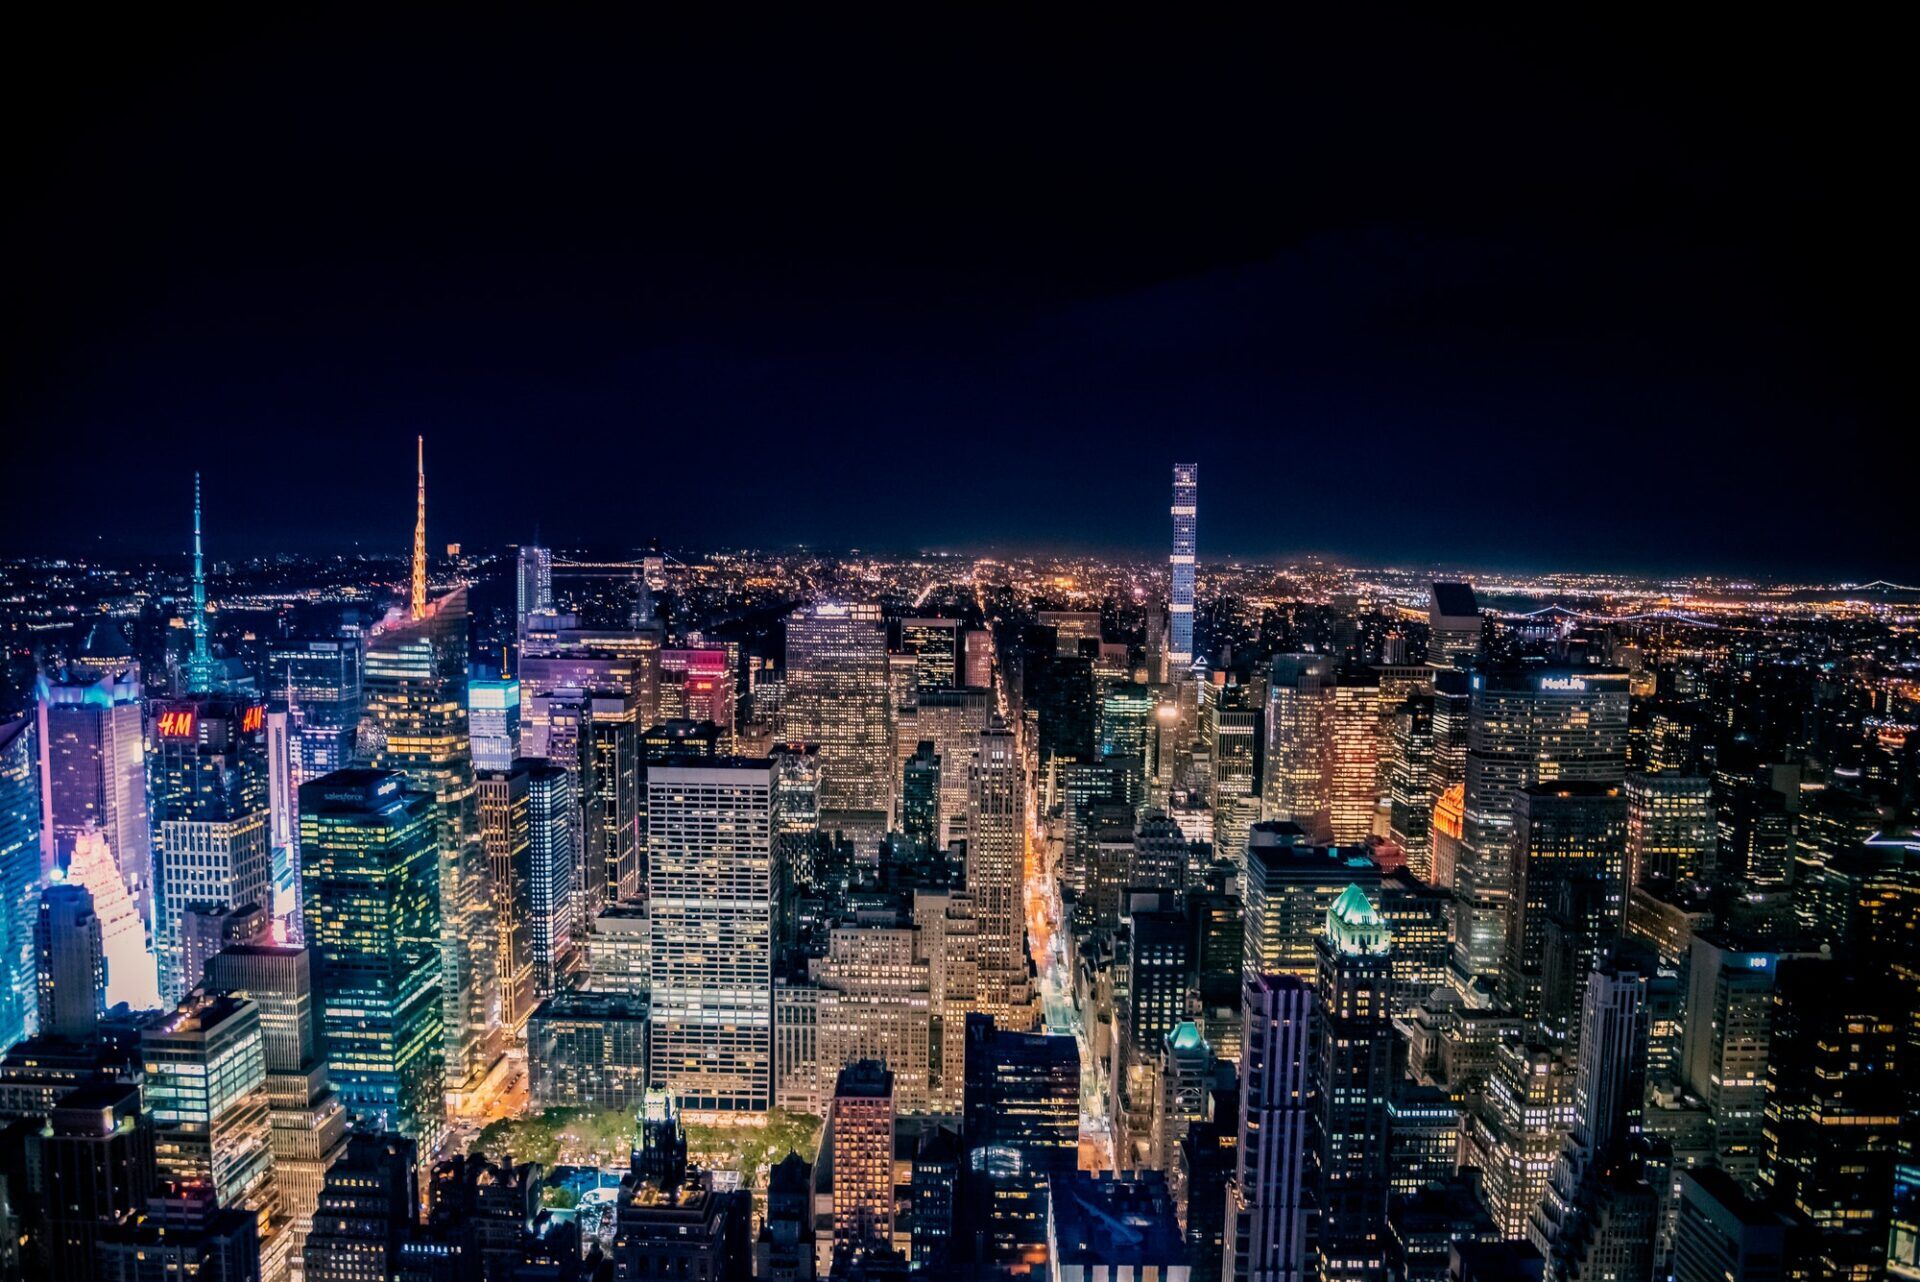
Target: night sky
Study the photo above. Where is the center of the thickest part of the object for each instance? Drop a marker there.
(1594, 292)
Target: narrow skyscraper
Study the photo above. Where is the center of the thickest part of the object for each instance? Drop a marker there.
(72, 969)
(1186, 497)
(1267, 1204)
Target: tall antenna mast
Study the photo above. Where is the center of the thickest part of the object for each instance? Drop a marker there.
(200, 665)
(418, 603)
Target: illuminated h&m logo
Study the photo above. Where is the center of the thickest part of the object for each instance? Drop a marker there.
(175, 723)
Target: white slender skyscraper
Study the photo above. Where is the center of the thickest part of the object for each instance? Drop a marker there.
(1186, 496)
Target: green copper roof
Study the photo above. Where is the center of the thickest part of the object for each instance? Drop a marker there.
(1186, 1037)
(1354, 925)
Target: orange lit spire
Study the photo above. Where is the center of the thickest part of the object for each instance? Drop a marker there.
(418, 603)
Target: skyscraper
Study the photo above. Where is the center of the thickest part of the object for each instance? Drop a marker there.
(613, 800)
(96, 1159)
(416, 692)
(1186, 498)
(1022, 1123)
(550, 897)
(131, 974)
(507, 834)
(373, 925)
(1289, 887)
(1725, 1045)
(71, 965)
(1569, 863)
(210, 818)
(533, 586)
(710, 885)
(19, 876)
(313, 718)
(493, 718)
(1268, 1202)
(996, 876)
(1453, 626)
(365, 1210)
(95, 764)
(1527, 726)
(1299, 716)
(1672, 827)
(862, 1129)
(836, 696)
(1352, 1073)
(206, 1089)
(307, 1119)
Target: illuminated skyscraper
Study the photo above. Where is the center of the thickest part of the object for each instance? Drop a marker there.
(1186, 497)
(1453, 626)
(836, 697)
(1528, 726)
(507, 834)
(613, 815)
(1299, 716)
(951, 720)
(1353, 758)
(416, 693)
(551, 900)
(206, 1089)
(1268, 1202)
(1352, 1073)
(1230, 728)
(1290, 885)
(493, 720)
(1725, 1046)
(313, 716)
(72, 971)
(373, 925)
(533, 586)
(131, 975)
(210, 818)
(308, 1122)
(1672, 827)
(936, 649)
(95, 762)
(711, 880)
(861, 1126)
(996, 876)
(19, 876)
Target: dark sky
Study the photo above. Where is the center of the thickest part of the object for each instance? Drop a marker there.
(1587, 291)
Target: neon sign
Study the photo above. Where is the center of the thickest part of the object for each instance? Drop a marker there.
(176, 723)
(253, 719)
(1563, 683)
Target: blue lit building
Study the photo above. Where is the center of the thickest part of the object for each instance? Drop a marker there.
(372, 899)
(493, 720)
(19, 876)
(1186, 496)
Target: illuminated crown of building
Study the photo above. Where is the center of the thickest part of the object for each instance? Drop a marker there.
(131, 976)
(1354, 926)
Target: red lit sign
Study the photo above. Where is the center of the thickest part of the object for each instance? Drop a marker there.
(253, 718)
(176, 723)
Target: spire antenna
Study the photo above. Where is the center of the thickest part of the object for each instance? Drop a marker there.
(417, 605)
(200, 665)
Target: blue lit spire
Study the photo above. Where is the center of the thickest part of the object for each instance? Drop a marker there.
(200, 663)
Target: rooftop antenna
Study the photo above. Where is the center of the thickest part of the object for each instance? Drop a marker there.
(200, 665)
